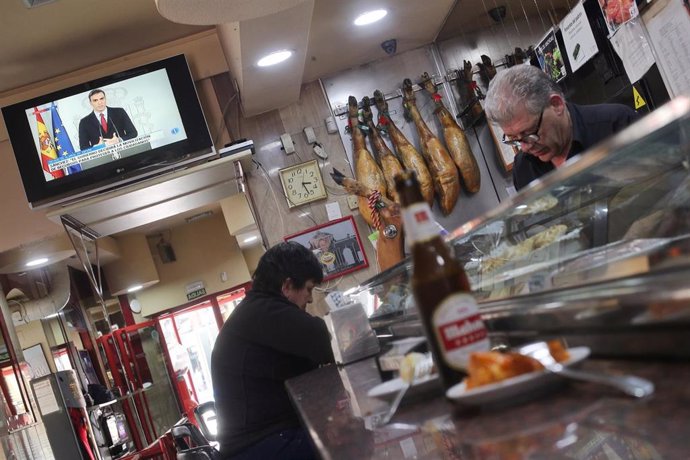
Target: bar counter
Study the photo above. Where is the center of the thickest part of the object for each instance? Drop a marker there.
(568, 420)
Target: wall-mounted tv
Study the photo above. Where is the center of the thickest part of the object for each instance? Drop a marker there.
(108, 132)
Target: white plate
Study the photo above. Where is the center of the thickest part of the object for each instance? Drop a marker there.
(513, 387)
(388, 389)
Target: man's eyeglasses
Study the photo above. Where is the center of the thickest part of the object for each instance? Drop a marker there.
(527, 139)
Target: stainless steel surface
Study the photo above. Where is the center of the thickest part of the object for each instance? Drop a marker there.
(387, 75)
(163, 196)
(628, 384)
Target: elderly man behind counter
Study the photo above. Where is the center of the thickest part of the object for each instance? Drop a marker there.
(531, 110)
(268, 339)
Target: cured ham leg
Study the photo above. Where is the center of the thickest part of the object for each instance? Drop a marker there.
(390, 165)
(456, 140)
(441, 166)
(469, 93)
(487, 71)
(389, 245)
(407, 152)
(366, 169)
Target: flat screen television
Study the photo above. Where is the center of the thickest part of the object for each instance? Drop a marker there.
(152, 122)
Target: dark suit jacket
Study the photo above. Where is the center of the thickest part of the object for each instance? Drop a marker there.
(118, 123)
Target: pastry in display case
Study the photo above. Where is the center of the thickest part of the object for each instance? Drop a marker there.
(599, 245)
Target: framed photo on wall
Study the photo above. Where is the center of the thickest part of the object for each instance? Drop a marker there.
(337, 246)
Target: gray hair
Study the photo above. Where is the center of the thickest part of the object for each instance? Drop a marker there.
(519, 86)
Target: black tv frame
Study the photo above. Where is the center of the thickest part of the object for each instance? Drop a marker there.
(41, 193)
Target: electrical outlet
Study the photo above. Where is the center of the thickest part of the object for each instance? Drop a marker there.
(288, 145)
(352, 202)
(310, 135)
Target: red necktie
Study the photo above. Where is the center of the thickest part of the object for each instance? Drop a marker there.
(104, 124)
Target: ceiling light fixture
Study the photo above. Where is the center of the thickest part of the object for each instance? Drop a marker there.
(134, 288)
(274, 58)
(34, 262)
(370, 17)
(251, 238)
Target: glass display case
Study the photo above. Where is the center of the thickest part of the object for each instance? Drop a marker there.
(598, 251)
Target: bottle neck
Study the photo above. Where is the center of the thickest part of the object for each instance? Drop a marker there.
(419, 223)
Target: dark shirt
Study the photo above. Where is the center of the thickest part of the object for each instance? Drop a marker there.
(118, 123)
(591, 125)
(265, 341)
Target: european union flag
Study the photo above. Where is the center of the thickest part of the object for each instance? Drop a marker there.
(62, 142)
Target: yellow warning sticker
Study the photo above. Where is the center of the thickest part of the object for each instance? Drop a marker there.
(639, 101)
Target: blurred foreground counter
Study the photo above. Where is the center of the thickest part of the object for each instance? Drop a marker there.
(570, 419)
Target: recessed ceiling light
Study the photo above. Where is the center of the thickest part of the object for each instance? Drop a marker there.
(370, 17)
(251, 238)
(274, 58)
(33, 263)
(135, 288)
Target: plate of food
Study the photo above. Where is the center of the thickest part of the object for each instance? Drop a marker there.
(496, 376)
(389, 388)
(417, 369)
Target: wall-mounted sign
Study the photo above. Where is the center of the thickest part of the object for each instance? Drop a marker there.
(550, 58)
(578, 38)
(195, 290)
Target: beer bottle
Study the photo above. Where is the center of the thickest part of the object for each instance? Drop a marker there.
(440, 287)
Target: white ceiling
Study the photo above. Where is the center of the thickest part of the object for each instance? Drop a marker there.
(66, 35)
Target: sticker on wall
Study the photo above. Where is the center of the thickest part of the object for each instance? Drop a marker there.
(639, 100)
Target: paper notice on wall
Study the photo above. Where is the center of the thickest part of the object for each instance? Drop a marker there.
(45, 397)
(333, 210)
(630, 42)
(669, 32)
(580, 44)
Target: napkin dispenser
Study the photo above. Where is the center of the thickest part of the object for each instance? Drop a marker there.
(352, 338)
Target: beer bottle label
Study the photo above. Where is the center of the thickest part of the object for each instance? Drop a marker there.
(459, 330)
(418, 222)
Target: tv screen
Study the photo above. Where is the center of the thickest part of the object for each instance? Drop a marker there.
(108, 132)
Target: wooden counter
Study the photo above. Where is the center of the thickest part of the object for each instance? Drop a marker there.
(571, 420)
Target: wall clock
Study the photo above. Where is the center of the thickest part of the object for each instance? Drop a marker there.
(302, 183)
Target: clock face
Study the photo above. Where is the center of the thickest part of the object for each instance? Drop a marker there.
(302, 183)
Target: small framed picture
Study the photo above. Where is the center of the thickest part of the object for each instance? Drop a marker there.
(505, 152)
(337, 246)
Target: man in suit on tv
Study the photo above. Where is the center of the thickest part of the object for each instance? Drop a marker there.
(109, 125)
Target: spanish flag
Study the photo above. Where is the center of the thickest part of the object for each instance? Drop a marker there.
(48, 151)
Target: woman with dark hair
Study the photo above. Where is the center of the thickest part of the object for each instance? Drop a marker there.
(268, 339)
